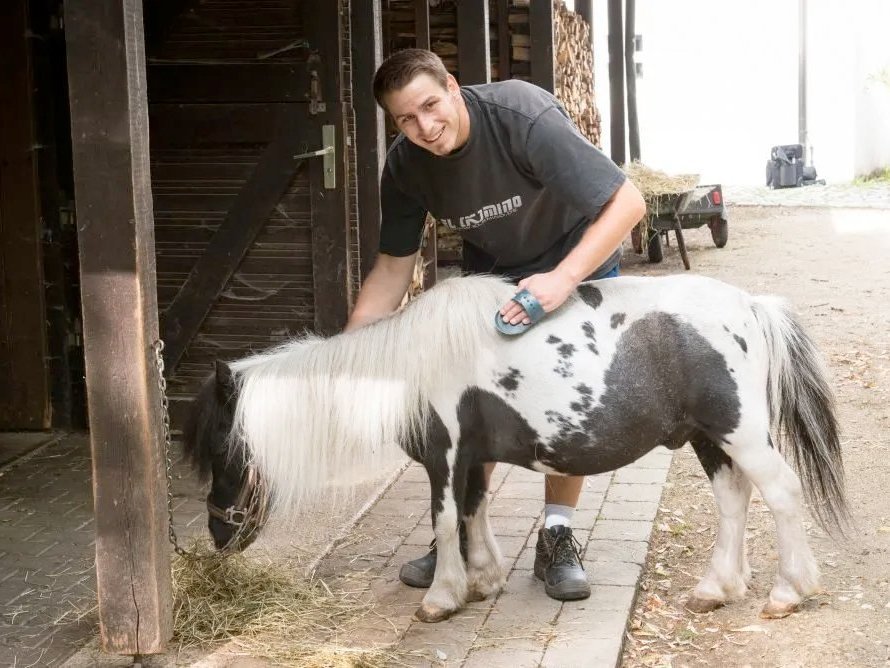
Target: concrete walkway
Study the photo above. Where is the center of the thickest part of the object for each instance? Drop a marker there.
(522, 626)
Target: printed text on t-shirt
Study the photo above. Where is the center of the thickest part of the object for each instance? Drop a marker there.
(486, 213)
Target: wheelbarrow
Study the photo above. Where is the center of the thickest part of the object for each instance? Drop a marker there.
(675, 212)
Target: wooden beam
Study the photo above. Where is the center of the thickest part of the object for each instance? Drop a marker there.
(109, 128)
(244, 220)
(24, 400)
(540, 26)
(504, 46)
(473, 60)
(422, 24)
(330, 222)
(370, 135)
(616, 83)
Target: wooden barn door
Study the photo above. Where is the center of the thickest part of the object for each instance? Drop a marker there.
(252, 240)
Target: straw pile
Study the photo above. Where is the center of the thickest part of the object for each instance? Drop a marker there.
(266, 609)
(656, 187)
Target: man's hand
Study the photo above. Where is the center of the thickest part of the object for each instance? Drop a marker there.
(550, 289)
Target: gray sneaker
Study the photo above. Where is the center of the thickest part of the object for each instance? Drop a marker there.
(419, 572)
(558, 564)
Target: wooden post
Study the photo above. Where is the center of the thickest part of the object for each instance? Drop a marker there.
(540, 20)
(109, 128)
(633, 123)
(330, 222)
(473, 60)
(616, 83)
(422, 24)
(505, 49)
(370, 135)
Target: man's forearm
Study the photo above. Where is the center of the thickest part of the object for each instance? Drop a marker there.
(382, 290)
(599, 241)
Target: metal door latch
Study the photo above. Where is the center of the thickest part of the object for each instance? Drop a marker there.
(328, 137)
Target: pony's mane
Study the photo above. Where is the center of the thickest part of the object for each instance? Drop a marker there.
(319, 412)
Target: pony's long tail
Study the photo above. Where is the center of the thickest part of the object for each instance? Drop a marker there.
(802, 412)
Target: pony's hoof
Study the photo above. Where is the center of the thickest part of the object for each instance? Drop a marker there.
(777, 610)
(475, 595)
(431, 614)
(702, 605)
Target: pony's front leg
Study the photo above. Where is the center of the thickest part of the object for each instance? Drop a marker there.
(448, 593)
(484, 571)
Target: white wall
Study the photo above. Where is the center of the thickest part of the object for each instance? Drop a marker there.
(719, 85)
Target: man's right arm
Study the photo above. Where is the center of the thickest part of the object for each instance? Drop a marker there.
(382, 290)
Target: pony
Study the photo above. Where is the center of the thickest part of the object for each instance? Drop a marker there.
(625, 365)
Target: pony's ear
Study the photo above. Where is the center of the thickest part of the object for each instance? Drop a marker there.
(225, 380)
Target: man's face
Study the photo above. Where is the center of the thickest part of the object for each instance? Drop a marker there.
(429, 115)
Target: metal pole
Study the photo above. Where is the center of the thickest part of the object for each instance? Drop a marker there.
(802, 76)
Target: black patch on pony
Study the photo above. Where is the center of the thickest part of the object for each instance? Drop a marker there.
(590, 333)
(712, 458)
(205, 435)
(618, 319)
(591, 295)
(742, 343)
(510, 380)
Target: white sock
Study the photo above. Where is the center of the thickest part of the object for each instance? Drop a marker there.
(555, 515)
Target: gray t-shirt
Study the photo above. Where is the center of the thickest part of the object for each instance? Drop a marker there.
(521, 191)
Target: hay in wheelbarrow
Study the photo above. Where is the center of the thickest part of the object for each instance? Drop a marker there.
(657, 189)
(267, 610)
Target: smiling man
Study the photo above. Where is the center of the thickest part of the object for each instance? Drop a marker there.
(533, 200)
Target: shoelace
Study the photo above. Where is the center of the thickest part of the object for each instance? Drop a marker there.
(566, 551)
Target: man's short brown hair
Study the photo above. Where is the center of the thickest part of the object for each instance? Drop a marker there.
(402, 67)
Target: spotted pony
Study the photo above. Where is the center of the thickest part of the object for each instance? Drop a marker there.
(624, 366)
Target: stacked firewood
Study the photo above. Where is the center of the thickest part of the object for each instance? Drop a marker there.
(574, 70)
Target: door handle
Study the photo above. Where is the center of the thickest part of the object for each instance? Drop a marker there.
(329, 168)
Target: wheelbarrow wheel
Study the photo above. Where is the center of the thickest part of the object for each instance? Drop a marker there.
(654, 248)
(719, 231)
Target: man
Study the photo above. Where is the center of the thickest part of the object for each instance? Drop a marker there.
(534, 201)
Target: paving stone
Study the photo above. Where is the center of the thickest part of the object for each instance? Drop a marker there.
(504, 656)
(629, 510)
(631, 551)
(583, 619)
(634, 492)
(510, 526)
(529, 508)
(613, 573)
(622, 530)
(646, 476)
(657, 458)
(587, 652)
(522, 490)
(590, 500)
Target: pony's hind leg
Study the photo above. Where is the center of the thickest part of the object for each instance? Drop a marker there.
(484, 571)
(729, 572)
(798, 575)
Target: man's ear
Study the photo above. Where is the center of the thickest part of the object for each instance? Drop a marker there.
(225, 380)
(452, 86)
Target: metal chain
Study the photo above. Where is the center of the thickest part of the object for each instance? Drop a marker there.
(168, 446)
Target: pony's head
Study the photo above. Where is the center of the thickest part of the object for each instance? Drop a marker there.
(237, 502)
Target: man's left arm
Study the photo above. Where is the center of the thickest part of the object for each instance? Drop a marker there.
(624, 210)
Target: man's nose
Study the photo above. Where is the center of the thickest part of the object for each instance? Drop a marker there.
(424, 124)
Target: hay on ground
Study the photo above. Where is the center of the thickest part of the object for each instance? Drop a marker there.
(267, 609)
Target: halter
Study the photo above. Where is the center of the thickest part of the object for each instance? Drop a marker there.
(247, 514)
